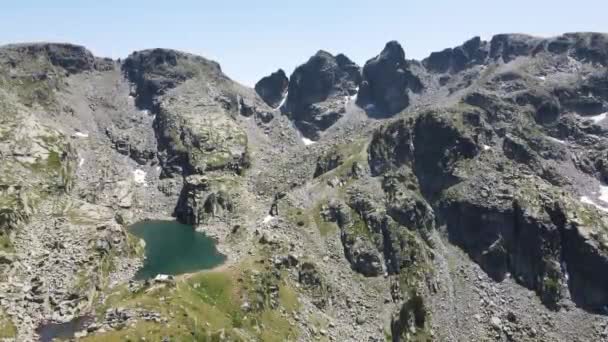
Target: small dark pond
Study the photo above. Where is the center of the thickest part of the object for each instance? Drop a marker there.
(64, 331)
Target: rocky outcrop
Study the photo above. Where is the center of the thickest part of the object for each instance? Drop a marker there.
(473, 52)
(123, 143)
(586, 98)
(272, 88)
(431, 156)
(586, 47)
(317, 91)
(328, 162)
(387, 79)
(155, 71)
(200, 202)
(543, 243)
(546, 108)
(584, 250)
(411, 320)
(193, 138)
(72, 58)
(509, 46)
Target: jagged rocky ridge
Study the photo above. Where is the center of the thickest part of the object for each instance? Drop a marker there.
(497, 149)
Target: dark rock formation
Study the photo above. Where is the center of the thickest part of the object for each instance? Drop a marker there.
(472, 52)
(509, 46)
(584, 46)
(317, 89)
(587, 98)
(587, 47)
(199, 202)
(387, 78)
(506, 223)
(546, 107)
(155, 71)
(72, 58)
(272, 88)
(328, 162)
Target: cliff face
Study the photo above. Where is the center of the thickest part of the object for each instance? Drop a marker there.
(460, 197)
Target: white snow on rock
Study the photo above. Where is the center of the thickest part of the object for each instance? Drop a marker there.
(283, 101)
(268, 218)
(349, 98)
(604, 193)
(81, 162)
(486, 147)
(588, 200)
(557, 140)
(307, 141)
(80, 135)
(354, 96)
(542, 78)
(598, 118)
(145, 112)
(139, 177)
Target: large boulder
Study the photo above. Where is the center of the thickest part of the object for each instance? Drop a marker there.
(273, 87)
(317, 91)
(387, 79)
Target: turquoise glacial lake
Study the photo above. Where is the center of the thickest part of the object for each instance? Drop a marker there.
(174, 248)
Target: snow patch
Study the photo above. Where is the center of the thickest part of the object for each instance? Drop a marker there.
(486, 147)
(542, 78)
(80, 135)
(81, 162)
(603, 193)
(307, 141)
(354, 96)
(139, 177)
(557, 140)
(588, 200)
(145, 112)
(349, 98)
(268, 218)
(598, 118)
(283, 101)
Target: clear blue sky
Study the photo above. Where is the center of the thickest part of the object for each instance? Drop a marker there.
(252, 38)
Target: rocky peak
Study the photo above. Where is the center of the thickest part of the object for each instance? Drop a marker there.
(317, 89)
(510, 46)
(73, 58)
(155, 71)
(472, 52)
(273, 87)
(321, 77)
(586, 46)
(387, 78)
